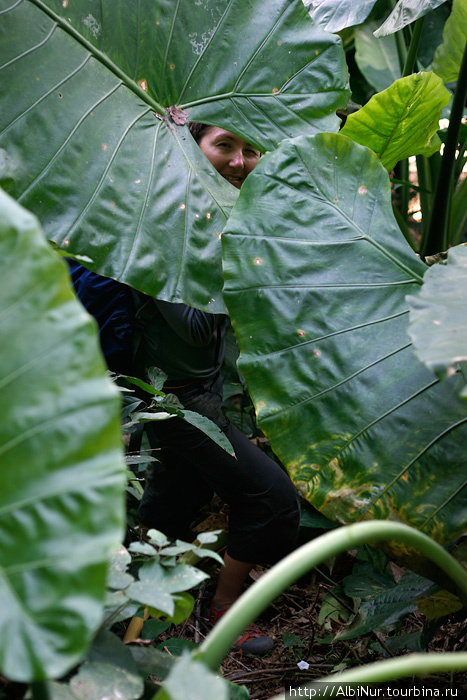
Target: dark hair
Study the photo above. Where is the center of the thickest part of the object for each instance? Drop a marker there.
(198, 130)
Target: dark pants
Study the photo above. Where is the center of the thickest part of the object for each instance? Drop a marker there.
(264, 505)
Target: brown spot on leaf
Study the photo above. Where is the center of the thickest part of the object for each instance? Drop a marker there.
(177, 115)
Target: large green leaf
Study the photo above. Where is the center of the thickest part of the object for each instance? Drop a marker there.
(448, 55)
(317, 272)
(377, 59)
(95, 155)
(62, 469)
(438, 312)
(406, 12)
(401, 121)
(335, 15)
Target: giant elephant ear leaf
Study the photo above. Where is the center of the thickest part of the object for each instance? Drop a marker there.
(62, 470)
(406, 12)
(437, 315)
(335, 15)
(317, 272)
(89, 147)
(402, 120)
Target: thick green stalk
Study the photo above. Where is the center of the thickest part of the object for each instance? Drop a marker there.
(405, 191)
(411, 57)
(458, 221)
(436, 239)
(460, 161)
(404, 228)
(381, 671)
(408, 68)
(307, 557)
(40, 691)
(425, 193)
(401, 49)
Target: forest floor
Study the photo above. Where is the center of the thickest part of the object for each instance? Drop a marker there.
(303, 623)
(295, 617)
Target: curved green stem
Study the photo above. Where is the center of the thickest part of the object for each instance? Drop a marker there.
(307, 557)
(401, 667)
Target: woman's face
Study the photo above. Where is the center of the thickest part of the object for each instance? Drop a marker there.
(231, 156)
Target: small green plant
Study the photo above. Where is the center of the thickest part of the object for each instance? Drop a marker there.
(147, 592)
(165, 406)
(292, 646)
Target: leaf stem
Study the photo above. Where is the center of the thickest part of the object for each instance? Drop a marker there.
(436, 239)
(425, 194)
(405, 194)
(307, 557)
(390, 669)
(100, 56)
(411, 57)
(40, 691)
(401, 50)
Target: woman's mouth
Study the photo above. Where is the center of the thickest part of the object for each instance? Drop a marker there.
(234, 180)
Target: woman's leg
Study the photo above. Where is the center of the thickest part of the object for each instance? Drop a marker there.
(174, 494)
(264, 504)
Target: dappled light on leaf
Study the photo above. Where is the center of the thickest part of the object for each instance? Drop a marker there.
(362, 426)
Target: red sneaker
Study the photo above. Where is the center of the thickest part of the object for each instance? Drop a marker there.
(253, 642)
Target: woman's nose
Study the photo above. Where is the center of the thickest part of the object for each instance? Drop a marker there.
(236, 159)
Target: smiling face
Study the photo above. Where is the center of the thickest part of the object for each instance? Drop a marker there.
(231, 156)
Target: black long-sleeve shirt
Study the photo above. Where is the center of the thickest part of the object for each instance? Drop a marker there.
(184, 342)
